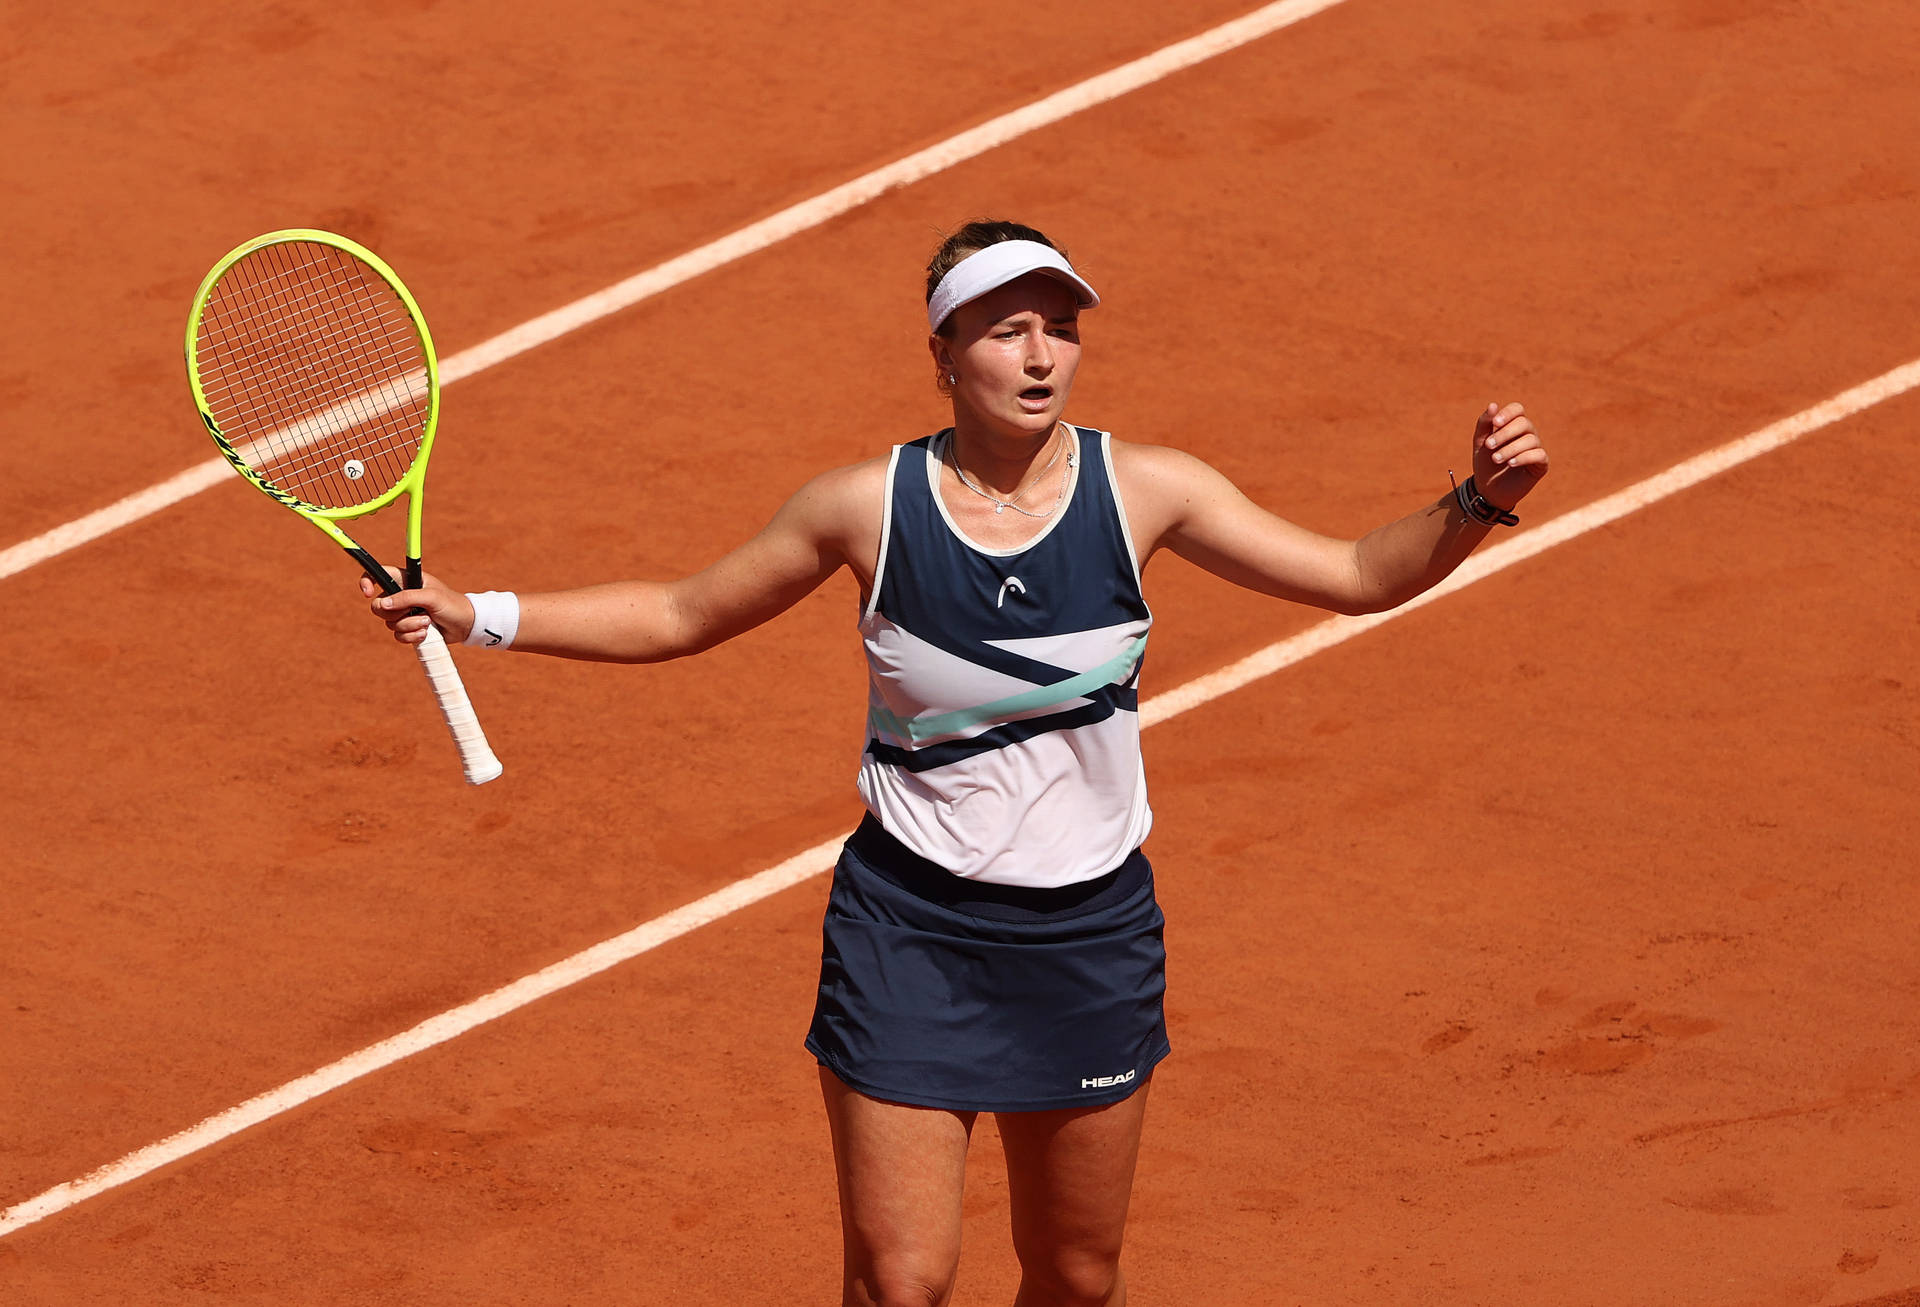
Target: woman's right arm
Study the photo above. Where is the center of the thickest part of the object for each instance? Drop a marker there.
(833, 521)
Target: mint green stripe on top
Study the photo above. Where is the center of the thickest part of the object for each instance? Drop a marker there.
(918, 730)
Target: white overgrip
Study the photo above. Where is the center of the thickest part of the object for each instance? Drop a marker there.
(475, 756)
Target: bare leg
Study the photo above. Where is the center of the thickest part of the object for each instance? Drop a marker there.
(1070, 1175)
(901, 1173)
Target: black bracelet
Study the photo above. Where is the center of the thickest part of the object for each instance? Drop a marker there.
(1475, 506)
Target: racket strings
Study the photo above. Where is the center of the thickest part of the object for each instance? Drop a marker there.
(329, 406)
(307, 415)
(321, 329)
(314, 373)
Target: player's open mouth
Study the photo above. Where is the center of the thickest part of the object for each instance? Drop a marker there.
(1038, 396)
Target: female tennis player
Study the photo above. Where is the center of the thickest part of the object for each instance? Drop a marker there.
(992, 942)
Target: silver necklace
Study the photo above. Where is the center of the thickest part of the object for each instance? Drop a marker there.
(999, 504)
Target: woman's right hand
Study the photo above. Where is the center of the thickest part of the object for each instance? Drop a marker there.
(409, 613)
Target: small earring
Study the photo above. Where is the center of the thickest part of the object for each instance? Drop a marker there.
(953, 378)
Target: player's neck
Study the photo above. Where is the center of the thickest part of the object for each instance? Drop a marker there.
(1004, 462)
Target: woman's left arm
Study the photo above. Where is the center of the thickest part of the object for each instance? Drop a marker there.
(1177, 502)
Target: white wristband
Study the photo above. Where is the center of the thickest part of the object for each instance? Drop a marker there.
(496, 619)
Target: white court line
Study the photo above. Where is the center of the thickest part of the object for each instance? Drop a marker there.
(751, 239)
(804, 866)
(1558, 531)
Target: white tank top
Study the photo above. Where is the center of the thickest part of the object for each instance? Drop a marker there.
(1003, 717)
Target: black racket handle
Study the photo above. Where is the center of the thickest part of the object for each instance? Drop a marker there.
(382, 578)
(378, 574)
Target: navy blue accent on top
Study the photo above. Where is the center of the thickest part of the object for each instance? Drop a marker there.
(1078, 576)
(928, 756)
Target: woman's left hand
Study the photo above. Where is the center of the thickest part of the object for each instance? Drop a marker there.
(1508, 458)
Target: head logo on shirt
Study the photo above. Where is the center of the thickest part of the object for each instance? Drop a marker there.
(1012, 583)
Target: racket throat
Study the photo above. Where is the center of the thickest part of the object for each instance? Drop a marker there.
(380, 576)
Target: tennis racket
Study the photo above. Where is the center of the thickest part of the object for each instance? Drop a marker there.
(312, 368)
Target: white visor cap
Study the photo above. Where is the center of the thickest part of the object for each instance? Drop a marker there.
(995, 266)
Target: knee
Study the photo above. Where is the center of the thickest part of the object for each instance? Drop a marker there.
(1071, 1278)
(900, 1285)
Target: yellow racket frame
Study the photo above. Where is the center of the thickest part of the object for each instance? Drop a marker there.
(476, 756)
(412, 483)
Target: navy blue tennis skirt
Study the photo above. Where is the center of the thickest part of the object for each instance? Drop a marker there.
(940, 991)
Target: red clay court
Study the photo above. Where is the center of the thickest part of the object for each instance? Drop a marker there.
(1553, 943)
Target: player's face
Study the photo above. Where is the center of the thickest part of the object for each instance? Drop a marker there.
(1014, 352)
